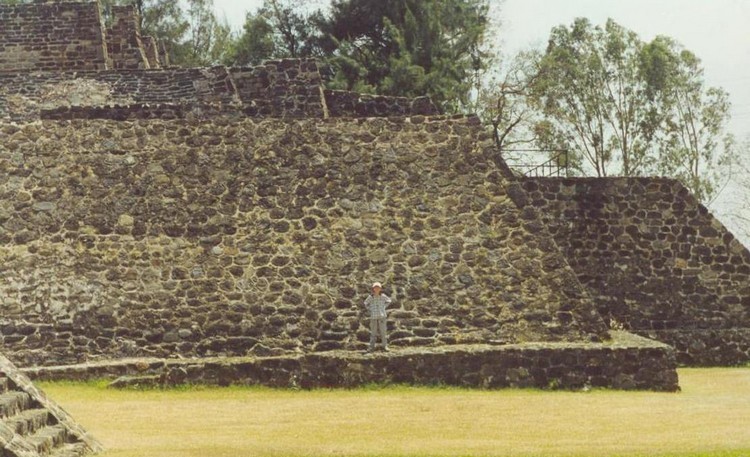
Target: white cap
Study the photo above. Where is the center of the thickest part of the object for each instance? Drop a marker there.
(377, 284)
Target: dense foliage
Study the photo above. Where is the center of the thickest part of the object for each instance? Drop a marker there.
(620, 105)
(393, 47)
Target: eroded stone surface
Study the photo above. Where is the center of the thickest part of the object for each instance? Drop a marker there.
(656, 260)
(625, 362)
(233, 237)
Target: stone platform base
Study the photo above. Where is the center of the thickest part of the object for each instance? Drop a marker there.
(626, 362)
(706, 347)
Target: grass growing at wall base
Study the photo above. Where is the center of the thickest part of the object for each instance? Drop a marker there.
(709, 417)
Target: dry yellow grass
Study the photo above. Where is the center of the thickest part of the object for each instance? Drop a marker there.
(711, 416)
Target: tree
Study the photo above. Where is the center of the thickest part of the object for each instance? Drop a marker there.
(165, 21)
(735, 205)
(503, 102)
(591, 90)
(255, 44)
(277, 30)
(192, 37)
(627, 107)
(207, 39)
(292, 28)
(694, 145)
(522, 135)
(392, 47)
(406, 47)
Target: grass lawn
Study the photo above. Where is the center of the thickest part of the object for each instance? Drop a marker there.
(710, 417)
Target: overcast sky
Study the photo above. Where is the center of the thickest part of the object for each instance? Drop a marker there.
(717, 31)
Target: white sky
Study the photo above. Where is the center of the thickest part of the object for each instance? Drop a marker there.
(717, 31)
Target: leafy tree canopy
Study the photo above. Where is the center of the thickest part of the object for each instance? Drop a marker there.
(279, 29)
(620, 105)
(393, 47)
(407, 47)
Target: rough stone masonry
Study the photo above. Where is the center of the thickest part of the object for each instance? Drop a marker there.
(242, 211)
(228, 237)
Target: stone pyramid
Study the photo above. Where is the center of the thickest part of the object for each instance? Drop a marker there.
(218, 236)
(245, 211)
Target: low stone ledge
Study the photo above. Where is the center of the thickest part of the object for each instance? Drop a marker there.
(138, 111)
(352, 104)
(626, 362)
(705, 347)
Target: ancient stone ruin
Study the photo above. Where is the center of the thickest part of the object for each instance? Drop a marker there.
(654, 259)
(235, 217)
(31, 424)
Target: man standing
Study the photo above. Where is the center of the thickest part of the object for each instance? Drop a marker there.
(376, 305)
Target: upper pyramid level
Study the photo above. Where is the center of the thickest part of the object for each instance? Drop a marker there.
(55, 36)
(59, 60)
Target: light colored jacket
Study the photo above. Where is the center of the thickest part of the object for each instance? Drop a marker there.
(377, 305)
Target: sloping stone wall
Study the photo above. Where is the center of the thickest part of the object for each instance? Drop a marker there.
(288, 88)
(655, 259)
(276, 89)
(23, 96)
(125, 234)
(151, 49)
(51, 36)
(193, 111)
(240, 236)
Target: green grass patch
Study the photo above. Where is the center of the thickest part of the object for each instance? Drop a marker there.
(708, 418)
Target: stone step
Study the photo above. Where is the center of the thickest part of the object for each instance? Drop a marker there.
(48, 438)
(70, 450)
(29, 421)
(13, 402)
(32, 425)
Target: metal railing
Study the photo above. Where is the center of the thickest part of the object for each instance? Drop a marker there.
(557, 165)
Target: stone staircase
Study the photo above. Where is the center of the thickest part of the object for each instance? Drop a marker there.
(32, 425)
